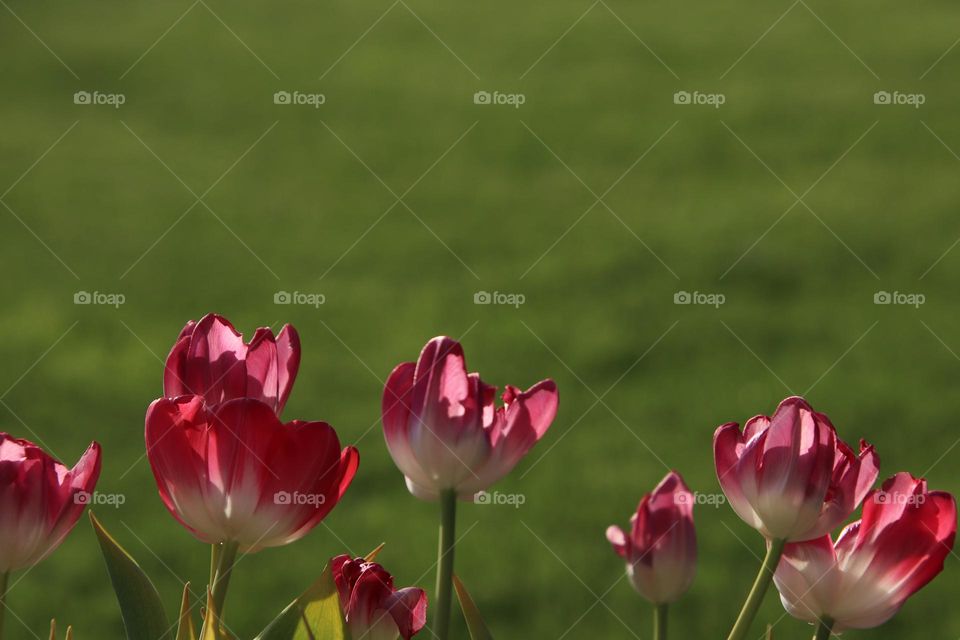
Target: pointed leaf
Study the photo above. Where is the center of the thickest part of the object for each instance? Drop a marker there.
(185, 628)
(370, 557)
(53, 629)
(315, 615)
(478, 630)
(140, 605)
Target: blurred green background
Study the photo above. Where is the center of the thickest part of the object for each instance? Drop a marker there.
(201, 194)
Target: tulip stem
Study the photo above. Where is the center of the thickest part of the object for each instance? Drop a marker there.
(760, 586)
(3, 598)
(824, 629)
(225, 555)
(660, 622)
(448, 523)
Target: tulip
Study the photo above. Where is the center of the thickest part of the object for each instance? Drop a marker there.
(861, 580)
(210, 359)
(372, 607)
(233, 473)
(790, 477)
(40, 502)
(444, 431)
(661, 550)
(450, 440)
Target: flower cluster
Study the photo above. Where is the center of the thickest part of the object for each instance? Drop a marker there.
(792, 479)
(240, 479)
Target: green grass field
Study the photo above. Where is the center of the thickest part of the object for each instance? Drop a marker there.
(399, 198)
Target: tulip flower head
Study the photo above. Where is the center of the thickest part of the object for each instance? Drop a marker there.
(235, 473)
(444, 430)
(40, 500)
(373, 609)
(790, 476)
(661, 548)
(210, 359)
(861, 580)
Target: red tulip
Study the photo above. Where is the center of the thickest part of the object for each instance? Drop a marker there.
(234, 473)
(210, 359)
(444, 430)
(861, 580)
(661, 550)
(790, 476)
(373, 609)
(40, 500)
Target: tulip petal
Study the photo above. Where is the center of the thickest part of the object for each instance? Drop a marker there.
(408, 607)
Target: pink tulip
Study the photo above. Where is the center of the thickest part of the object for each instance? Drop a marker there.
(444, 430)
(210, 359)
(790, 476)
(861, 580)
(373, 609)
(40, 500)
(234, 473)
(661, 550)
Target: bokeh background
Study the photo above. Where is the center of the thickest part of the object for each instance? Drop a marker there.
(598, 200)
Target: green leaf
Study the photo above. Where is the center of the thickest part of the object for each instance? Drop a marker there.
(140, 605)
(185, 628)
(315, 615)
(478, 630)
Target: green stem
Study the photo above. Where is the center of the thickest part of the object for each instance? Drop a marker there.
(760, 586)
(214, 562)
(226, 555)
(660, 622)
(448, 523)
(4, 577)
(824, 629)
